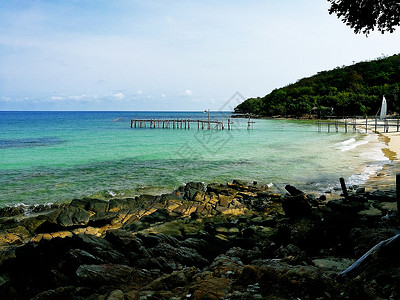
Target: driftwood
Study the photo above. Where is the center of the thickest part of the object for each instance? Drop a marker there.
(374, 252)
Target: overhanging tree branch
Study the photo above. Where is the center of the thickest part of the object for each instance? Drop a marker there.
(367, 15)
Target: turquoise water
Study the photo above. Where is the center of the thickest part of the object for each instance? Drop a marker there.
(56, 156)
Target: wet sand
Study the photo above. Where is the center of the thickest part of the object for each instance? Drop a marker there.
(386, 178)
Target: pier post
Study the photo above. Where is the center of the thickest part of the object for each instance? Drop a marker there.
(366, 125)
(344, 189)
(345, 125)
(398, 124)
(376, 121)
(131, 123)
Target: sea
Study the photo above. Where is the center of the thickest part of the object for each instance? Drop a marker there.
(52, 157)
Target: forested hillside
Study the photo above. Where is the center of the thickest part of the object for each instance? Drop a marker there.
(351, 90)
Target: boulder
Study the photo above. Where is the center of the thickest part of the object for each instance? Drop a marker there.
(160, 215)
(293, 191)
(104, 218)
(296, 206)
(191, 188)
(70, 216)
(122, 204)
(97, 205)
(104, 274)
(11, 211)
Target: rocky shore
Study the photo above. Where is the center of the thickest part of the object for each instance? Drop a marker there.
(215, 241)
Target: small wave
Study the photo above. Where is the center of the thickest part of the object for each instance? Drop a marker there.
(357, 179)
(351, 144)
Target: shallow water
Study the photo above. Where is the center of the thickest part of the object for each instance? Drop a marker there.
(56, 156)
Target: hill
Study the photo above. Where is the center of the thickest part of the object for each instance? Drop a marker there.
(348, 90)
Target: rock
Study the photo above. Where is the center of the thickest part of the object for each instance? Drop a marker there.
(122, 204)
(296, 206)
(384, 196)
(152, 240)
(160, 215)
(104, 274)
(66, 293)
(211, 288)
(104, 218)
(293, 191)
(97, 205)
(123, 240)
(11, 211)
(14, 236)
(100, 248)
(239, 182)
(220, 189)
(191, 188)
(347, 206)
(70, 216)
(80, 203)
(116, 295)
(182, 255)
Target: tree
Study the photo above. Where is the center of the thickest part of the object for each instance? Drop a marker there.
(366, 15)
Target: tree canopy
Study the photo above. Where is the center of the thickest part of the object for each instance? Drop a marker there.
(366, 15)
(351, 90)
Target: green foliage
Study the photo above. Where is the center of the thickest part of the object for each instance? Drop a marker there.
(367, 15)
(352, 90)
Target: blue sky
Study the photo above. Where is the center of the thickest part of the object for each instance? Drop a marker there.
(167, 55)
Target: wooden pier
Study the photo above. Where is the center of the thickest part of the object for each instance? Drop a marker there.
(368, 124)
(184, 124)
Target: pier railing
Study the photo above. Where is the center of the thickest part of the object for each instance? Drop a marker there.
(369, 124)
(185, 124)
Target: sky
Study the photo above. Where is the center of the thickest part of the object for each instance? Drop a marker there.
(168, 55)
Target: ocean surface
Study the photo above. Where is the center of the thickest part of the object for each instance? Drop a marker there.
(48, 157)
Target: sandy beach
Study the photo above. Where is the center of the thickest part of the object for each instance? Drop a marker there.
(385, 179)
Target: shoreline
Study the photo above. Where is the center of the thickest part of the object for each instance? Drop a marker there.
(386, 178)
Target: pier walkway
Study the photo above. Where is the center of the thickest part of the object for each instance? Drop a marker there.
(185, 124)
(368, 124)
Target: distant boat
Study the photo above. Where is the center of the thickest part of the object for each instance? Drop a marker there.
(382, 116)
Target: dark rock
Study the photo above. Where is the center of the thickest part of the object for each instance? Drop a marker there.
(347, 206)
(123, 240)
(122, 204)
(103, 218)
(160, 215)
(200, 245)
(296, 206)
(220, 189)
(104, 274)
(293, 191)
(11, 211)
(172, 196)
(241, 182)
(97, 205)
(322, 197)
(80, 203)
(384, 196)
(100, 248)
(191, 188)
(70, 216)
(152, 240)
(183, 255)
(67, 293)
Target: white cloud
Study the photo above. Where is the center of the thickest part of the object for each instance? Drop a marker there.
(119, 96)
(56, 98)
(163, 96)
(139, 92)
(188, 93)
